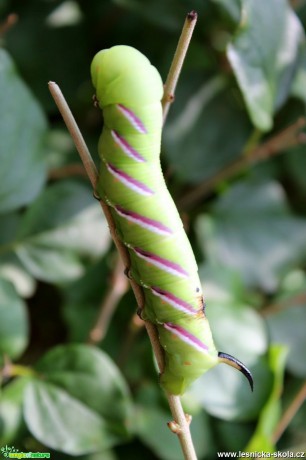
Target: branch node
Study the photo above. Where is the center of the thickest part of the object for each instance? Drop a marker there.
(174, 427)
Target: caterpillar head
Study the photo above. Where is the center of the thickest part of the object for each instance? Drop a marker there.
(123, 75)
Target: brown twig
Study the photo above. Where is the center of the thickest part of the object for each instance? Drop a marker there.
(288, 138)
(290, 413)
(118, 287)
(177, 62)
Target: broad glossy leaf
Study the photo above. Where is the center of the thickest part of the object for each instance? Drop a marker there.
(80, 404)
(252, 231)
(62, 227)
(194, 138)
(22, 131)
(11, 420)
(264, 55)
(287, 326)
(225, 393)
(10, 267)
(12, 270)
(63, 423)
(237, 329)
(14, 333)
(36, 33)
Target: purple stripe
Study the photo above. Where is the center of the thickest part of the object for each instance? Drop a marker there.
(135, 121)
(186, 336)
(144, 221)
(126, 147)
(164, 262)
(174, 301)
(133, 183)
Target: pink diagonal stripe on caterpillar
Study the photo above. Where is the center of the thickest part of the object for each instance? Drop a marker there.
(131, 117)
(126, 147)
(150, 224)
(163, 264)
(186, 337)
(174, 301)
(127, 180)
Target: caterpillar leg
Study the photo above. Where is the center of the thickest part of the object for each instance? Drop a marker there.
(231, 361)
(96, 195)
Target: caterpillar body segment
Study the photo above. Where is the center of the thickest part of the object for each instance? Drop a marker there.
(129, 90)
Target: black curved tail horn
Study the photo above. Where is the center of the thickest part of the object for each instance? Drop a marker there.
(231, 361)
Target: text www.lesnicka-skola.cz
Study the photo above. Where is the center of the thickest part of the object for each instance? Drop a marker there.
(262, 454)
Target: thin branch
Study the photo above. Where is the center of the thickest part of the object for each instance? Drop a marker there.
(290, 413)
(177, 62)
(75, 133)
(182, 429)
(118, 287)
(288, 138)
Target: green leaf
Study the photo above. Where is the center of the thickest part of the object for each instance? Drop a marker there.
(78, 383)
(240, 331)
(22, 131)
(10, 267)
(11, 420)
(12, 270)
(252, 231)
(264, 55)
(237, 329)
(287, 326)
(262, 438)
(62, 228)
(223, 391)
(203, 118)
(36, 34)
(53, 417)
(14, 333)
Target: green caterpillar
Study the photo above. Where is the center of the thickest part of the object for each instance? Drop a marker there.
(129, 91)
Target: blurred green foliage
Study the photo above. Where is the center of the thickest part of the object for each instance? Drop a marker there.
(243, 82)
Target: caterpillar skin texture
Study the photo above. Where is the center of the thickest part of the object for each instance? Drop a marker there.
(129, 90)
